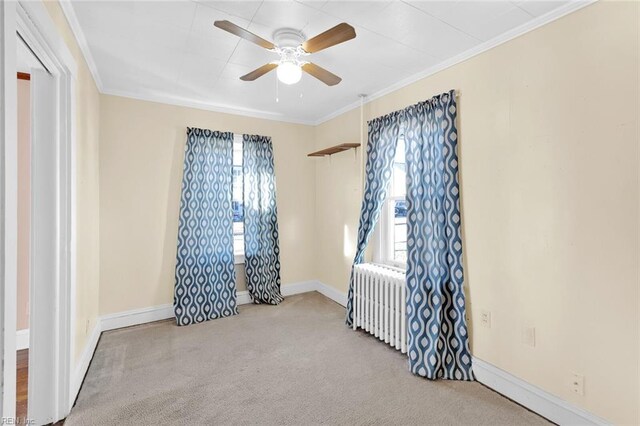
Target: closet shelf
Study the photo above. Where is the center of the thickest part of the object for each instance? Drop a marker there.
(334, 149)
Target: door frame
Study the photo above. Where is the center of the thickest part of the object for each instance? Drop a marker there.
(31, 20)
(9, 200)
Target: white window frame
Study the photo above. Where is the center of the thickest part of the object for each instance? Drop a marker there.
(384, 244)
(383, 241)
(238, 258)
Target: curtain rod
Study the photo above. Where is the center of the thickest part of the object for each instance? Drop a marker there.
(456, 93)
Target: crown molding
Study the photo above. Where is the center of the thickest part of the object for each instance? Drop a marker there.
(535, 23)
(72, 19)
(468, 54)
(177, 101)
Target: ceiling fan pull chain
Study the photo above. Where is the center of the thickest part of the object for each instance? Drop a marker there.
(277, 96)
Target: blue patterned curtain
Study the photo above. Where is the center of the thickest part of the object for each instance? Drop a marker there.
(205, 278)
(381, 149)
(438, 345)
(261, 245)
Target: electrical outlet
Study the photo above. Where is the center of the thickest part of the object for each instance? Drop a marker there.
(529, 336)
(577, 384)
(485, 318)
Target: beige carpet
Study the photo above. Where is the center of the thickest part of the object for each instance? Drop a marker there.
(295, 364)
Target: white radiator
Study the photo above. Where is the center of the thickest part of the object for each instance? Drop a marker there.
(379, 303)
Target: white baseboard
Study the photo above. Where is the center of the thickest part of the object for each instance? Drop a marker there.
(327, 291)
(136, 317)
(243, 298)
(162, 312)
(83, 363)
(22, 339)
(298, 288)
(535, 399)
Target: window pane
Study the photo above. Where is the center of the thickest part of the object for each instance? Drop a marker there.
(238, 211)
(237, 197)
(237, 150)
(238, 238)
(237, 184)
(400, 231)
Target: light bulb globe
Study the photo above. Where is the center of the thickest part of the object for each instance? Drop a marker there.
(289, 73)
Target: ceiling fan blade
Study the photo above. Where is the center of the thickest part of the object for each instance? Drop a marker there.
(321, 74)
(242, 33)
(336, 35)
(258, 72)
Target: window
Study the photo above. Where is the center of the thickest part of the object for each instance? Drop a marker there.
(237, 201)
(392, 231)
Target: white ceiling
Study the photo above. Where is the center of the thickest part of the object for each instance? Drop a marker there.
(171, 52)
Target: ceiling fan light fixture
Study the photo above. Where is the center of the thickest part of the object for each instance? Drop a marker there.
(289, 72)
(291, 46)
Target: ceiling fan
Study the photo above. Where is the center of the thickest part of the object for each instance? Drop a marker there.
(292, 48)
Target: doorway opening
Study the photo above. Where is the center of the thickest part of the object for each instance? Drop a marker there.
(26, 63)
(24, 225)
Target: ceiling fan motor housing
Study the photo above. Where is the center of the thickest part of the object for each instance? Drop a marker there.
(288, 38)
(288, 43)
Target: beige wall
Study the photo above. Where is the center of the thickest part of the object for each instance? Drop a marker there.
(88, 191)
(338, 199)
(24, 201)
(549, 181)
(141, 160)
